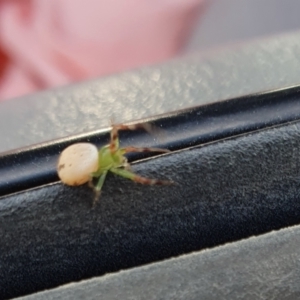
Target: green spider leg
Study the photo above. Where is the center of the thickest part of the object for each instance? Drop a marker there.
(98, 186)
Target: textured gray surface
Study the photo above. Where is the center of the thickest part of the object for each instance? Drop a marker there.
(228, 190)
(203, 78)
(265, 267)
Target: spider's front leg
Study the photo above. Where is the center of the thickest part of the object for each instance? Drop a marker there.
(114, 134)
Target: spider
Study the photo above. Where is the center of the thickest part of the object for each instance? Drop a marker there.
(83, 162)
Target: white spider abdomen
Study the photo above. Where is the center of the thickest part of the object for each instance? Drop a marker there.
(76, 163)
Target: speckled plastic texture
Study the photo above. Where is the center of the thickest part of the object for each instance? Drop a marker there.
(199, 79)
(265, 267)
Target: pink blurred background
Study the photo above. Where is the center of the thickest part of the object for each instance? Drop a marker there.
(48, 43)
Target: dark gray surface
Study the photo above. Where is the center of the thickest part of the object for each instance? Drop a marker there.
(226, 191)
(265, 267)
(200, 79)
